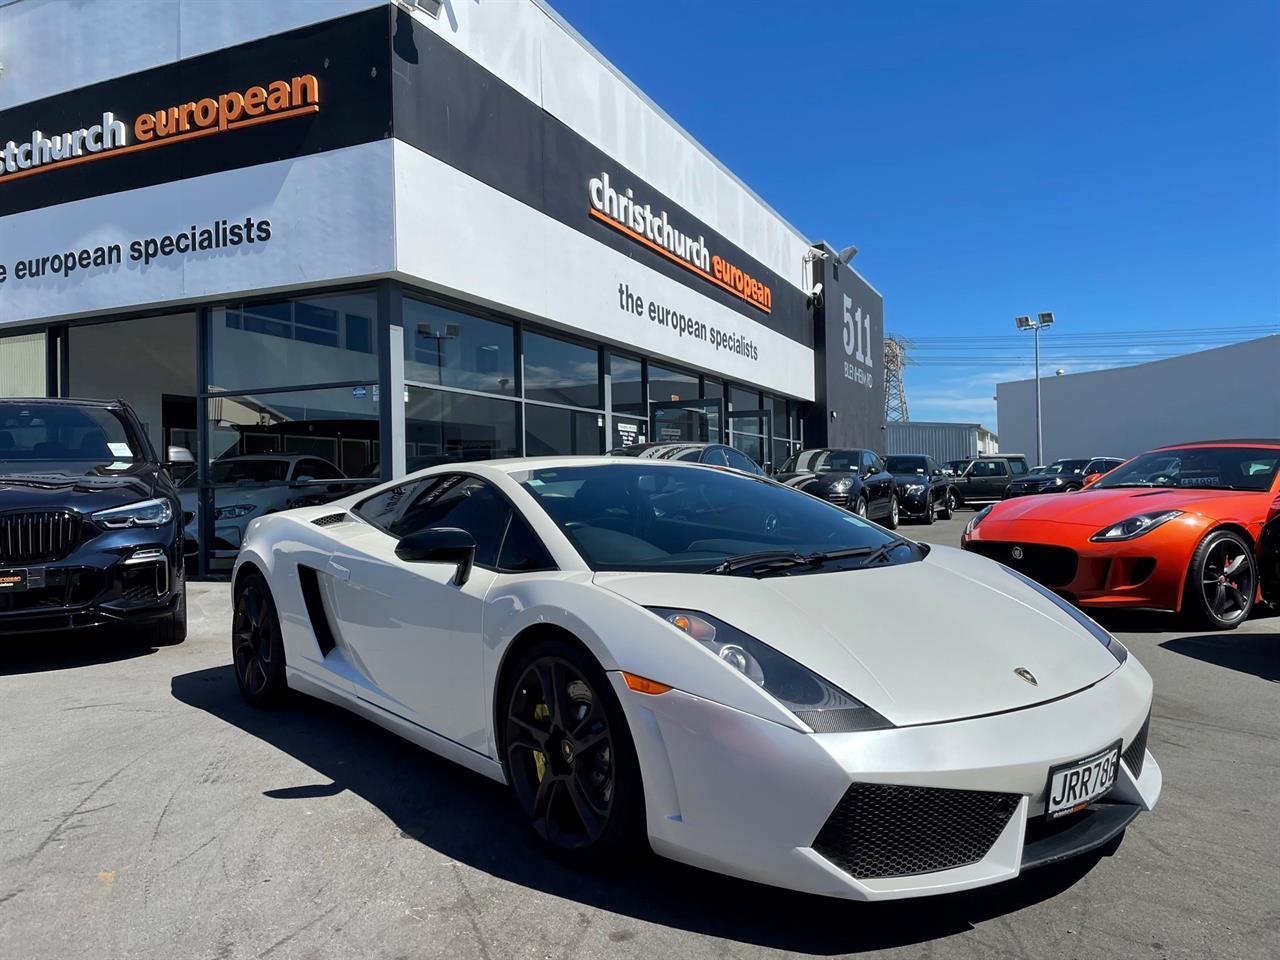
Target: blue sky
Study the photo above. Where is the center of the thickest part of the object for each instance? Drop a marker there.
(1117, 163)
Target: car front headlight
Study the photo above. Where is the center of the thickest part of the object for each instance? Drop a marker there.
(1057, 481)
(1134, 526)
(915, 488)
(144, 513)
(977, 519)
(822, 706)
(841, 485)
(235, 512)
(1116, 648)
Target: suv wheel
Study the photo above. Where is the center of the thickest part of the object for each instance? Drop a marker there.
(949, 505)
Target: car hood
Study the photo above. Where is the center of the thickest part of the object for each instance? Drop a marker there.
(910, 478)
(1097, 508)
(870, 632)
(83, 487)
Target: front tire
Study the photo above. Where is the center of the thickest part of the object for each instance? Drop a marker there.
(569, 756)
(860, 508)
(172, 630)
(1221, 582)
(257, 647)
(949, 505)
(892, 519)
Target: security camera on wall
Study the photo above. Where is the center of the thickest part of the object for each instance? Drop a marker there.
(815, 295)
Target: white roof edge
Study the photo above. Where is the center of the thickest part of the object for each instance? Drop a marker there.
(586, 44)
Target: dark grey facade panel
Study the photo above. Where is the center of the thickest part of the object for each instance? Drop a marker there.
(450, 107)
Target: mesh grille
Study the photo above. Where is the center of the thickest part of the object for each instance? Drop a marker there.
(329, 520)
(1051, 566)
(38, 537)
(885, 830)
(1136, 752)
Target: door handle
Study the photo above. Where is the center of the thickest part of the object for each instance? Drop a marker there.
(338, 570)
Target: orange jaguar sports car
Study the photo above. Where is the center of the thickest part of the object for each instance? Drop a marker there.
(1172, 529)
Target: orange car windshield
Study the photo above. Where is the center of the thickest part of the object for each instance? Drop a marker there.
(1210, 468)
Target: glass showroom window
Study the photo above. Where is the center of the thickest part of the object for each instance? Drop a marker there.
(560, 371)
(441, 426)
(452, 349)
(550, 431)
(274, 451)
(316, 339)
(743, 399)
(667, 384)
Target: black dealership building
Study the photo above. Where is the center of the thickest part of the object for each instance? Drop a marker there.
(352, 231)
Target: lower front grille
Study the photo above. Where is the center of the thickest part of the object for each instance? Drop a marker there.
(1049, 565)
(1135, 754)
(66, 587)
(38, 537)
(839, 499)
(888, 830)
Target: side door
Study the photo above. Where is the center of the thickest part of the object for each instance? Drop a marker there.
(414, 635)
(989, 479)
(937, 483)
(877, 491)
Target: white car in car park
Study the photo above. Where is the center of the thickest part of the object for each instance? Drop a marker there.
(741, 675)
(253, 485)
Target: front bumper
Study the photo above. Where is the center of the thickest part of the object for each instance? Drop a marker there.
(747, 797)
(913, 504)
(122, 576)
(1145, 573)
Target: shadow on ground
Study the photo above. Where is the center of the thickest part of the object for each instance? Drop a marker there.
(1255, 653)
(472, 820)
(66, 650)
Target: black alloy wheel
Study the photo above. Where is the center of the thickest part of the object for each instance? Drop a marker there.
(929, 506)
(569, 755)
(949, 505)
(257, 648)
(1222, 581)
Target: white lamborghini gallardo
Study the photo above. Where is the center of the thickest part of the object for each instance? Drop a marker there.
(741, 675)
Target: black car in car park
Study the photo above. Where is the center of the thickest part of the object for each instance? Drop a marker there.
(854, 479)
(90, 525)
(987, 478)
(709, 454)
(923, 490)
(1061, 476)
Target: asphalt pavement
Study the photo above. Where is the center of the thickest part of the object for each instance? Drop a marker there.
(146, 812)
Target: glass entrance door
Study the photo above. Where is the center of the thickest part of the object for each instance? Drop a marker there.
(686, 421)
(751, 432)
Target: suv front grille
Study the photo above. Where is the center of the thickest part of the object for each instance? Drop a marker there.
(1049, 565)
(887, 830)
(1135, 754)
(38, 537)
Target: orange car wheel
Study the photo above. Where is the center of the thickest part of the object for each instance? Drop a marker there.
(1221, 582)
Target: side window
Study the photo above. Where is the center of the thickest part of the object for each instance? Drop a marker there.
(988, 468)
(386, 508)
(740, 461)
(317, 470)
(522, 551)
(1017, 466)
(867, 461)
(466, 503)
(715, 456)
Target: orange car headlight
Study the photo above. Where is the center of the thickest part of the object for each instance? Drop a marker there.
(1134, 527)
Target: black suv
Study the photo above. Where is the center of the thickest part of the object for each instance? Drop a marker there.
(90, 525)
(987, 478)
(1061, 476)
(711, 454)
(854, 479)
(923, 490)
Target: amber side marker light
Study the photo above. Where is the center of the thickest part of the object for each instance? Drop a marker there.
(644, 684)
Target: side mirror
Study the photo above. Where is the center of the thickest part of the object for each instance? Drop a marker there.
(177, 455)
(440, 545)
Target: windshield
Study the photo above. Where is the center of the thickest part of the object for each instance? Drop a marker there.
(906, 465)
(1214, 468)
(35, 435)
(230, 472)
(666, 518)
(1065, 468)
(823, 461)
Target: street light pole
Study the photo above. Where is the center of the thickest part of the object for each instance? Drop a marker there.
(1041, 321)
(1039, 422)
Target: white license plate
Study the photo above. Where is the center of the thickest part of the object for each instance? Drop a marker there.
(1074, 785)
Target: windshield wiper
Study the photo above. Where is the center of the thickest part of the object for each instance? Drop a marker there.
(775, 561)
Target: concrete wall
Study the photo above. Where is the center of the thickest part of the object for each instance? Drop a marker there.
(1226, 392)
